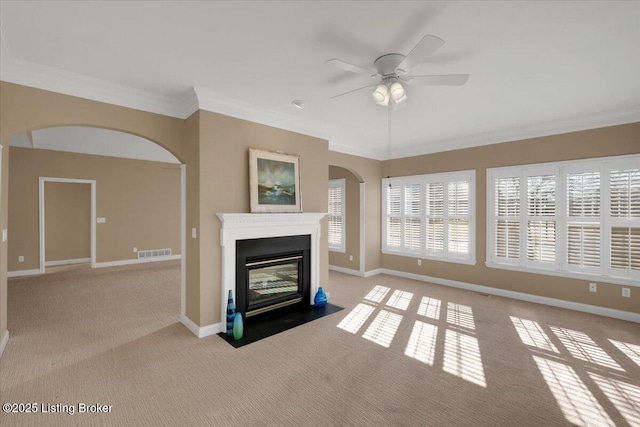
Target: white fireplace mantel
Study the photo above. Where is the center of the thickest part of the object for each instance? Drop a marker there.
(241, 226)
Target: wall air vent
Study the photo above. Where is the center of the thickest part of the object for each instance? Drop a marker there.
(154, 253)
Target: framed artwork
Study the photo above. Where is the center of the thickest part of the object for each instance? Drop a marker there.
(274, 182)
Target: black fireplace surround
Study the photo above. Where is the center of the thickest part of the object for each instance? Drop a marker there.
(272, 275)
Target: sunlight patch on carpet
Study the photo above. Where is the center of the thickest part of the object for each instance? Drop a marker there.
(422, 343)
(577, 403)
(460, 315)
(632, 351)
(462, 357)
(531, 333)
(356, 318)
(429, 307)
(377, 294)
(624, 396)
(400, 300)
(383, 328)
(582, 347)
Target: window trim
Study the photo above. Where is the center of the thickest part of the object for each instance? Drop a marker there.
(342, 248)
(423, 253)
(560, 268)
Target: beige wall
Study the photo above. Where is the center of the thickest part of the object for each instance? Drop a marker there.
(140, 201)
(618, 140)
(369, 172)
(352, 220)
(67, 229)
(24, 109)
(4, 200)
(224, 187)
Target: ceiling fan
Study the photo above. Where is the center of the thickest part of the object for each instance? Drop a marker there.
(392, 72)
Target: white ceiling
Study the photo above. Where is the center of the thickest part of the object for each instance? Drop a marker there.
(536, 67)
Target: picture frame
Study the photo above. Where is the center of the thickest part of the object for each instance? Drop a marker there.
(274, 182)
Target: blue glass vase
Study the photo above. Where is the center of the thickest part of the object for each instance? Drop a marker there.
(238, 327)
(320, 299)
(231, 314)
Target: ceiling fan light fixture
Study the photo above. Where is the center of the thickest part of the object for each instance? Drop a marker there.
(381, 93)
(401, 100)
(397, 91)
(384, 102)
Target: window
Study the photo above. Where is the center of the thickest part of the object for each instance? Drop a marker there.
(430, 216)
(571, 218)
(337, 215)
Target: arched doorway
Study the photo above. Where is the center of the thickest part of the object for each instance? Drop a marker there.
(350, 256)
(27, 109)
(134, 191)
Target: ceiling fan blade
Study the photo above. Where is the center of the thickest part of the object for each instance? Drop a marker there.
(352, 91)
(350, 67)
(419, 53)
(445, 80)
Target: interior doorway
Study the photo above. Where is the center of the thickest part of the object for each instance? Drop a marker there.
(67, 212)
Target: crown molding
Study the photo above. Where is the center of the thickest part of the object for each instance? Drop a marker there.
(215, 103)
(625, 115)
(55, 80)
(358, 151)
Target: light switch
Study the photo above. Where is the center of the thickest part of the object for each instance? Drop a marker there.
(193, 233)
(4, 235)
(101, 220)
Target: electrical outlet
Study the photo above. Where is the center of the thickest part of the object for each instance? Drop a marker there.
(328, 294)
(419, 262)
(626, 292)
(101, 220)
(593, 287)
(350, 257)
(135, 250)
(20, 258)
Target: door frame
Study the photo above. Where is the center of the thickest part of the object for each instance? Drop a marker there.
(42, 180)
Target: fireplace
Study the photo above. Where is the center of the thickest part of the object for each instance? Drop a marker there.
(272, 274)
(239, 227)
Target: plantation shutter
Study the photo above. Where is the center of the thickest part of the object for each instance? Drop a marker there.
(336, 214)
(507, 218)
(625, 219)
(394, 212)
(458, 217)
(434, 209)
(584, 220)
(541, 219)
(412, 216)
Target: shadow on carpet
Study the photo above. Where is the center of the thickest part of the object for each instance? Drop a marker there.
(275, 324)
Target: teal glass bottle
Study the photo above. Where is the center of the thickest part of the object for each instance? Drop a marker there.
(238, 327)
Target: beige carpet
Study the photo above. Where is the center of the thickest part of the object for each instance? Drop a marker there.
(401, 353)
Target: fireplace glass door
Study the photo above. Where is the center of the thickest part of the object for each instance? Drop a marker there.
(273, 280)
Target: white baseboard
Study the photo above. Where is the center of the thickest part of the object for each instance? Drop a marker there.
(66, 262)
(136, 261)
(4, 341)
(204, 331)
(586, 308)
(19, 273)
(373, 272)
(345, 270)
